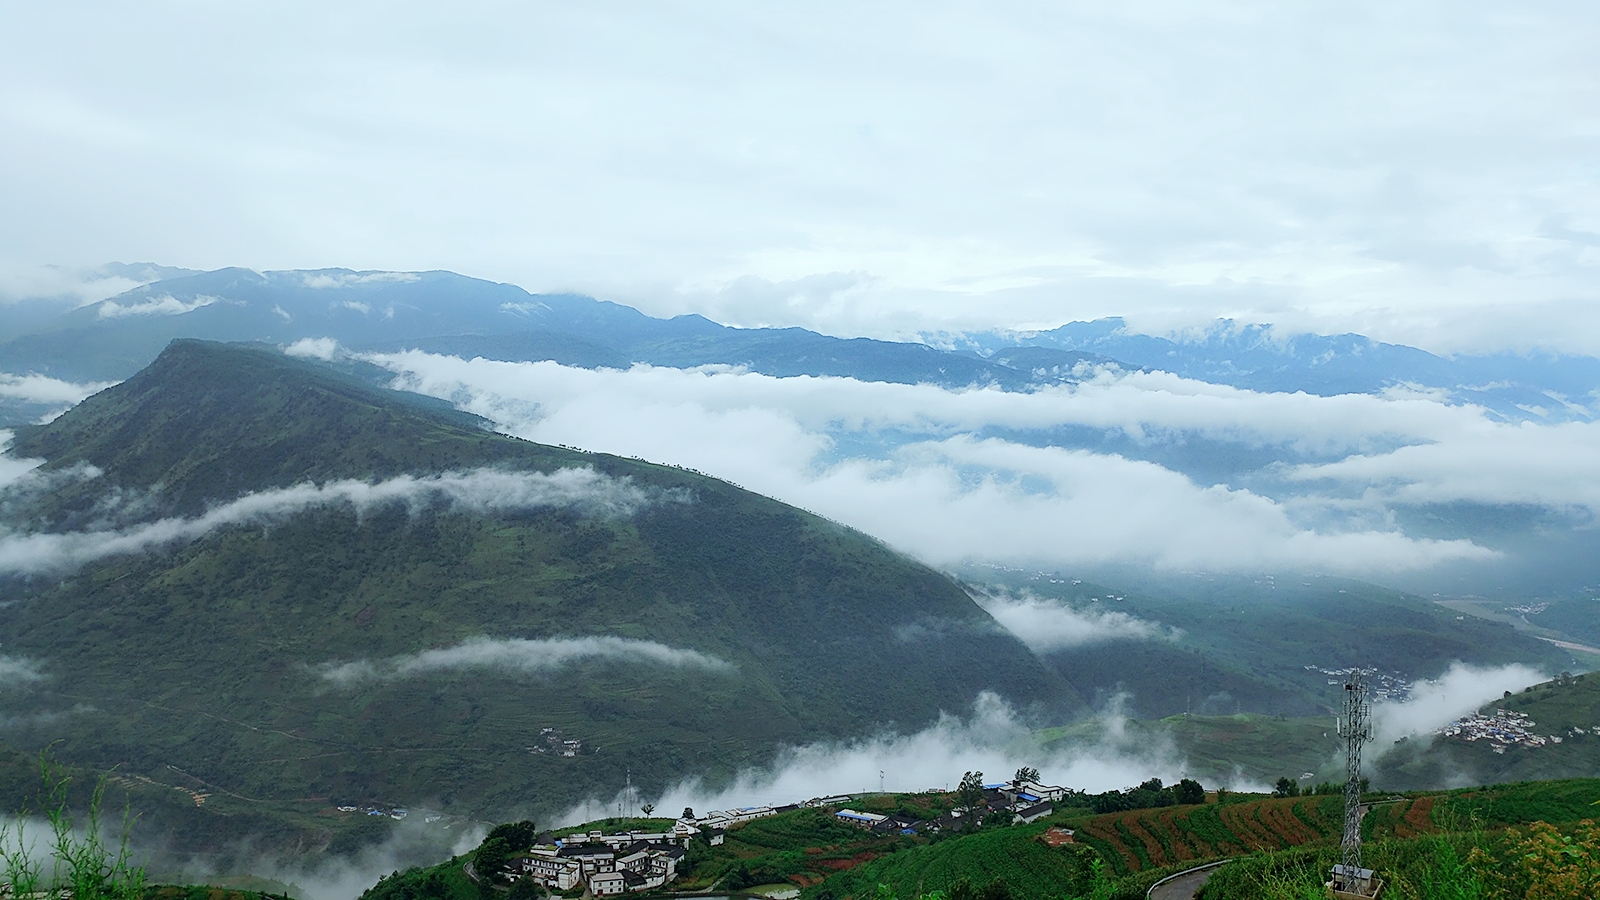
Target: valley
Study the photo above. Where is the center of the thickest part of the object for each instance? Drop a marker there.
(379, 620)
(718, 451)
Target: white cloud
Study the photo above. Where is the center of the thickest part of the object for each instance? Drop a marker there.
(16, 670)
(1046, 625)
(327, 876)
(44, 389)
(12, 469)
(480, 490)
(1548, 465)
(992, 739)
(76, 287)
(165, 305)
(323, 280)
(315, 348)
(946, 495)
(518, 656)
(1433, 704)
(1142, 405)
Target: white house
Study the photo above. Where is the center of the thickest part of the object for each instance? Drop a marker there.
(858, 819)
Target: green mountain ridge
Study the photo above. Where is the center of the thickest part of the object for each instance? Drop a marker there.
(200, 659)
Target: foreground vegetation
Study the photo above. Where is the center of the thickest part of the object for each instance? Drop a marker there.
(1534, 839)
(59, 846)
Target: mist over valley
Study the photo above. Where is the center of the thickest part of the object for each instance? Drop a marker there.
(1014, 451)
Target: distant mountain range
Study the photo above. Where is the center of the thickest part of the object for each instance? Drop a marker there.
(449, 313)
(1539, 386)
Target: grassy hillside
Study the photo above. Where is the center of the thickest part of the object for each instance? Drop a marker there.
(196, 665)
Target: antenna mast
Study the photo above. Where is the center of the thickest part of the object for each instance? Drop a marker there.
(1350, 881)
(1357, 727)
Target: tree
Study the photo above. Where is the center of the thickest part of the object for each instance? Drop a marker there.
(1026, 773)
(647, 809)
(999, 818)
(524, 889)
(517, 835)
(688, 812)
(1188, 791)
(970, 794)
(996, 890)
(1286, 787)
(490, 858)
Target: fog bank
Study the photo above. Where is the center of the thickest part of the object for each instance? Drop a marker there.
(526, 656)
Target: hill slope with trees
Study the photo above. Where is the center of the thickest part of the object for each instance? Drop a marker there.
(409, 631)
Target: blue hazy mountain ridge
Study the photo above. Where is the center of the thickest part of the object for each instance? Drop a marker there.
(1532, 386)
(450, 313)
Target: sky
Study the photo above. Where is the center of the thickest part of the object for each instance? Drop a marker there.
(1421, 172)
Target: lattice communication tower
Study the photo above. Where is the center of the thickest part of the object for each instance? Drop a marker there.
(1356, 727)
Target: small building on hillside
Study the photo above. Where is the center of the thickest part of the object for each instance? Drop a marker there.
(1027, 815)
(897, 824)
(858, 819)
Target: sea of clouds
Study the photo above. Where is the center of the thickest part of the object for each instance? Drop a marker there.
(956, 476)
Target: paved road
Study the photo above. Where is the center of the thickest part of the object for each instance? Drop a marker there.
(1185, 886)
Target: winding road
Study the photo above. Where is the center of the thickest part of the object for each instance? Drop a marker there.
(1185, 884)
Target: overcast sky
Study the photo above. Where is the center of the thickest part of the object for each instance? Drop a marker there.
(1421, 172)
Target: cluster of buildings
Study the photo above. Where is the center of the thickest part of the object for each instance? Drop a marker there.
(1506, 728)
(1503, 728)
(395, 813)
(1025, 802)
(1382, 685)
(557, 744)
(607, 864)
(611, 864)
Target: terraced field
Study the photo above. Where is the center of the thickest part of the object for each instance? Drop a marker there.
(1157, 838)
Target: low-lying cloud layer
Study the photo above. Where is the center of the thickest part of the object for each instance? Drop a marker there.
(479, 490)
(1046, 625)
(518, 656)
(165, 305)
(318, 876)
(12, 469)
(954, 476)
(993, 739)
(17, 671)
(44, 389)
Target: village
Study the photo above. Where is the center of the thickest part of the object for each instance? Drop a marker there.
(625, 862)
(1504, 729)
(1385, 687)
